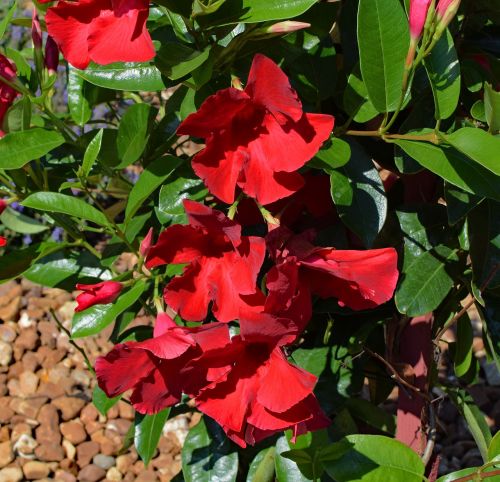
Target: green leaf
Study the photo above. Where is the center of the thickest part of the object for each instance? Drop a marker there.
(478, 145)
(18, 117)
(133, 133)
(62, 203)
(474, 418)
(208, 455)
(102, 402)
(334, 154)
(91, 154)
(459, 203)
(464, 352)
(356, 100)
(94, 319)
(359, 195)
(176, 60)
(6, 20)
(252, 11)
(286, 469)
(374, 458)
(460, 473)
(20, 223)
(372, 415)
(19, 148)
(453, 167)
(148, 429)
(443, 69)
(478, 110)
(151, 178)
(124, 76)
(494, 447)
(384, 39)
(79, 106)
(492, 107)
(335, 450)
(17, 262)
(262, 466)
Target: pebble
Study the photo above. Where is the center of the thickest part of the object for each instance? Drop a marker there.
(19, 429)
(5, 353)
(91, 473)
(25, 321)
(36, 470)
(11, 474)
(48, 431)
(69, 449)
(63, 476)
(70, 407)
(25, 446)
(73, 431)
(49, 453)
(104, 461)
(7, 333)
(85, 452)
(28, 383)
(6, 454)
(114, 475)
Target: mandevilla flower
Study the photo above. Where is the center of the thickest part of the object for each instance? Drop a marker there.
(3, 241)
(223, 264)
(160, 369)
(99, 293)
(103, 31)
(261, 393)
(256, 138)
(51, 55)
(358, 279)
(446, 10)
(418, 15)
(7, 93)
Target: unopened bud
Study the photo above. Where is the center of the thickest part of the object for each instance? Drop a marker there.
(418, 16)
(51, 55)
(36, 31)
(287, 26)
(446, 10)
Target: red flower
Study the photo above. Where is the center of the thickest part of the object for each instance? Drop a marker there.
(223, 264)
(103, 31)
(261, 393)
(358, 279)
(7, 94)
(160, 369)
(3, 205)
(256, 139)
(3, 242)
(100, 293)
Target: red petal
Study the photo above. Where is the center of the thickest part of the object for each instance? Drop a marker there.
(122, 368)
(3, 241)
(269, 86)
(171, 345)
(266, 328)
(215, 114)
(163, 323)
(359, 279)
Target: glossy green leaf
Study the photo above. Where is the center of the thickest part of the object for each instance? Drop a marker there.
(494, 447)
(464, 353)
(208, 455)
(359, 195)
(20, 223)
(334, 154)
(102, 402)
(124, 76)
(374, 458)
(372, 415)
(17, 262)
(384, 39)
(356, 100)
(148, 430)
(252, 11)
(6, 20)
(458, 474)
(133, 133)
(478, 111)
(19, 148)
(262, 467)
(176, 60)
(458, 203)
(94, 319)
(61, 203)
(18, 117)
(79, 106)
(286, 469)
(478, 145)
(454, 167)
(492, 107)
(151, 178)
(91, 154)
(443, 69)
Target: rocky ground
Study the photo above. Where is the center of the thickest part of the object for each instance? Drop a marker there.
(49, 429)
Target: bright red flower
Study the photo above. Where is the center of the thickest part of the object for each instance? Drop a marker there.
(261, 393)
(100, 293)
(103, 31)
(257, 138)
(160, 369)
(7, 94)
(358, 279)
(418, 15)
(222, 264)
(3, 242)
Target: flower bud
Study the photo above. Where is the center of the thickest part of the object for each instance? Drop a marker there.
(36, 31)
(287, 26)
(446, 10)
(418, 15)
(51, 55)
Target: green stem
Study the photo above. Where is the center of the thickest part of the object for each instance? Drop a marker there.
(431, 137)
(233, 209)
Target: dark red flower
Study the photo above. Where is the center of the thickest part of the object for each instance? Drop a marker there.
(3, 205)
(100, 293)
(222, 264)
(257, 138)
(103, 31)
(261, 393)
(358, 279)
(7, 93)
(160, 369)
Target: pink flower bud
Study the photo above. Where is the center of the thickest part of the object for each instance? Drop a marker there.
(36, 30)
(287, 26)
(446, 10)
(146, 243)
(418, 14)
(51, 55)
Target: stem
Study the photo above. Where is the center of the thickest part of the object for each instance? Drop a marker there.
(233, 209)
(431, 137)
(478, 475)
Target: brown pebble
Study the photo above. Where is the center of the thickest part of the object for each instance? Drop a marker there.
(35, 470)
(11, 474)
(48, 431)
(27, 340)
(7, 333)
(31, 407)
(49, 453)
(63, 476)
(70, 407)
(91, 473)
(85, 452)
(73, 431)
(119, 425)
(18, 430)
(125, 410)
(30, 362)
(6, 454)
(4, 434)
(147, 476)
(28, 382)
(89, 414)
